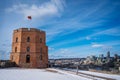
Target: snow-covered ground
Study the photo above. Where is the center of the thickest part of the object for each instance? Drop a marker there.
(48, 74)
(112, 76)
(37, 74)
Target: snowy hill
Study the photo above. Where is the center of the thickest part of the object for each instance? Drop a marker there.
(40, 74)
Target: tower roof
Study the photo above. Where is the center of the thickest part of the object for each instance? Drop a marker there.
(28, 29)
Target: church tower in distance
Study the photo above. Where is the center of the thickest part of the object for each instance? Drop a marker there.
(29, 48)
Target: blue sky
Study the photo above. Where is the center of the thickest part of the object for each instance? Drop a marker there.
(74, 28)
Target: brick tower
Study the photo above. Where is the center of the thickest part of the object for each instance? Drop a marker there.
(29, 48)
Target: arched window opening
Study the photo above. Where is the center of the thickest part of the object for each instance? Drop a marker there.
(28, 49)
(16, 39)
(40, 57)
(28, 39)
(27, 58)
(40, 50)
(40, 40)
(12, 57)
(15, 49)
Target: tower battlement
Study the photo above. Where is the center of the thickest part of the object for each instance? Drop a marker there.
(28, 29)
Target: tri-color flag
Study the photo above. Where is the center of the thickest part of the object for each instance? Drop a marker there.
(29, 17)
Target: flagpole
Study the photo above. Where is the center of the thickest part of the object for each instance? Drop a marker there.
(30, 18)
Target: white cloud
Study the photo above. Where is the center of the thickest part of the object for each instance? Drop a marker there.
(103, 47)
(64, 51)
(51, 48)
(51, 8)
(97, 45)
(88, 38)
(111, 31)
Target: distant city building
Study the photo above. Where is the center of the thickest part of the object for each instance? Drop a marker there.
(29, 48)
(101, 56)
(108, 54)
(116, 57)
(108, 57)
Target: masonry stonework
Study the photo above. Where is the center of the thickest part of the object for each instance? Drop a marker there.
(29, 48)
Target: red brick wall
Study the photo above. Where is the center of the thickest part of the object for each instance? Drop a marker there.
(20, 56)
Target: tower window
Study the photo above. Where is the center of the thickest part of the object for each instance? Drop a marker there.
(41, 50)
(40, 57)
(40, 40)
(15, 49)
(27, 58)
(16, 39)
(28, 49)
(12, 57)
(28, 39)
(40, 53)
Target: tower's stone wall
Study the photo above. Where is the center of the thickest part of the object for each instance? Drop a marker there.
(29, 48)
